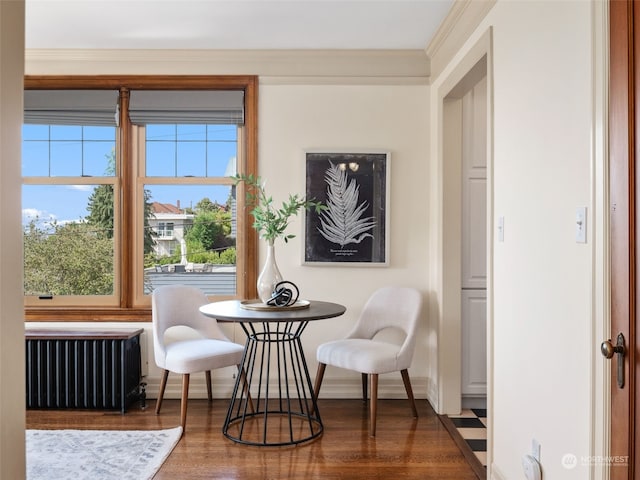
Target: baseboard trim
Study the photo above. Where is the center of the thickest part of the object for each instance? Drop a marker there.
(388, 387)
(472, 460)
(474, 401)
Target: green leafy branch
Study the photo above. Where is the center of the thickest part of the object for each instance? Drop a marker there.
(269, 221)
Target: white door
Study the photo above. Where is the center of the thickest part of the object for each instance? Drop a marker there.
(474, 241)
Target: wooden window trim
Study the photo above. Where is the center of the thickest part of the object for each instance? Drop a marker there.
(248, 246)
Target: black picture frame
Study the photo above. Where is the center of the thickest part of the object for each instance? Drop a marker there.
(354, 229)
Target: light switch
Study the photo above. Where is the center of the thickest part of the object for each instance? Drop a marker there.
(501, 229)
(581, 225)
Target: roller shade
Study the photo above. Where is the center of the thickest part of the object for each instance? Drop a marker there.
(70, 107)
(194, 106)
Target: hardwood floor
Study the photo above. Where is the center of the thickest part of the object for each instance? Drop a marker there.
(404, 448)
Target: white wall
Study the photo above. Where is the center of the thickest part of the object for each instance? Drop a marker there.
(543, 348)
(390, 118)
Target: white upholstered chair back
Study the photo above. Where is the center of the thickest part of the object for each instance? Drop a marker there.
(391, 307)
(175, 306)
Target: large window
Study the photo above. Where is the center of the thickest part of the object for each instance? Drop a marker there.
(127, 187)
(70, 185)
(189, 205)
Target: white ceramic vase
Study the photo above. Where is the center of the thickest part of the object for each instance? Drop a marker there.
(269, 276)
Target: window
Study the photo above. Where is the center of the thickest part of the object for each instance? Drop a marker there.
(117, 201)
(70, 179)
(164, 231)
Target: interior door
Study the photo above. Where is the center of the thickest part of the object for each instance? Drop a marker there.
(474, 243)
(623, 136)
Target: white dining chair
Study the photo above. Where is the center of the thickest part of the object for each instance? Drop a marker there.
(178, 305)
(365, 352)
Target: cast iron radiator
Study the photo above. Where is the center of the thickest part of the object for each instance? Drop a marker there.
(82, 369)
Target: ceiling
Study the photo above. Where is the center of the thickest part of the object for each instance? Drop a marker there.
(233, 24)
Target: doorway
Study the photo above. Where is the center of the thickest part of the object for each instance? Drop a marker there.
(465, 229)
(465, 215)
(465, 171)
(473, 129)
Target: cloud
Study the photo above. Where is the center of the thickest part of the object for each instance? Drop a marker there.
(44, 219)
(41, 218)
(32, 213)
(82, 188)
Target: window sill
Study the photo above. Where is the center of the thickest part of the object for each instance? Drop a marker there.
(67, 314)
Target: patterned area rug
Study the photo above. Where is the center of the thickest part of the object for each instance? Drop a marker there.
(98, 454)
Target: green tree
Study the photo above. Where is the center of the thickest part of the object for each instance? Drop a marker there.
(69, 259)
(149, 233)
(210, 229)
(100, 204)
(228, 256)
(206, 205)
(100, 207)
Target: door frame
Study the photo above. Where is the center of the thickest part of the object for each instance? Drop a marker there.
(624, 141)
(599, 237)
(448, 395)
(453, 231)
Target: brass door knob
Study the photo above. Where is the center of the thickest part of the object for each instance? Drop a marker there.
(608, 349)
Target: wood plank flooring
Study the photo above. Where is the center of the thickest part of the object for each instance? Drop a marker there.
(404, 448)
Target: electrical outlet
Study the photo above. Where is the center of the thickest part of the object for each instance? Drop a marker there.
(535, 449)
(531, 467)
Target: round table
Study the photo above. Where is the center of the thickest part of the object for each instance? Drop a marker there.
(281, 408)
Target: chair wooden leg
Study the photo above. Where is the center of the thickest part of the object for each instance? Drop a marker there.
(163, 384)
(407, 387)
(319, 377)
(183, 401)
(373, 403)
(318, 383)
(208, 378)
(365, 379)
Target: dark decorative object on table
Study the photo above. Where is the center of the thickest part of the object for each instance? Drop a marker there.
(282, 296)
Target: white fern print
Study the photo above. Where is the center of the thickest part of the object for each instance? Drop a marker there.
(341, 222)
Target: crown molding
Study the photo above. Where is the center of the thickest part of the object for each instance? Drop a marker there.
(293, 66)
(344, 80)
(461, 21)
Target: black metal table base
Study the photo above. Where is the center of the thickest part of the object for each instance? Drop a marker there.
(279, 411)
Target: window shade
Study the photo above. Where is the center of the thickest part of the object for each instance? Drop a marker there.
(70, 107)
(194, 106)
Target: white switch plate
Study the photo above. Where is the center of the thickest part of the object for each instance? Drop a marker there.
(581, 225)
(501, 229)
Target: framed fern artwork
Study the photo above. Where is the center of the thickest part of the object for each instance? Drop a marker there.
(353, 229)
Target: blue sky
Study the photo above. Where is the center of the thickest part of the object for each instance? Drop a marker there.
(172, 151)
